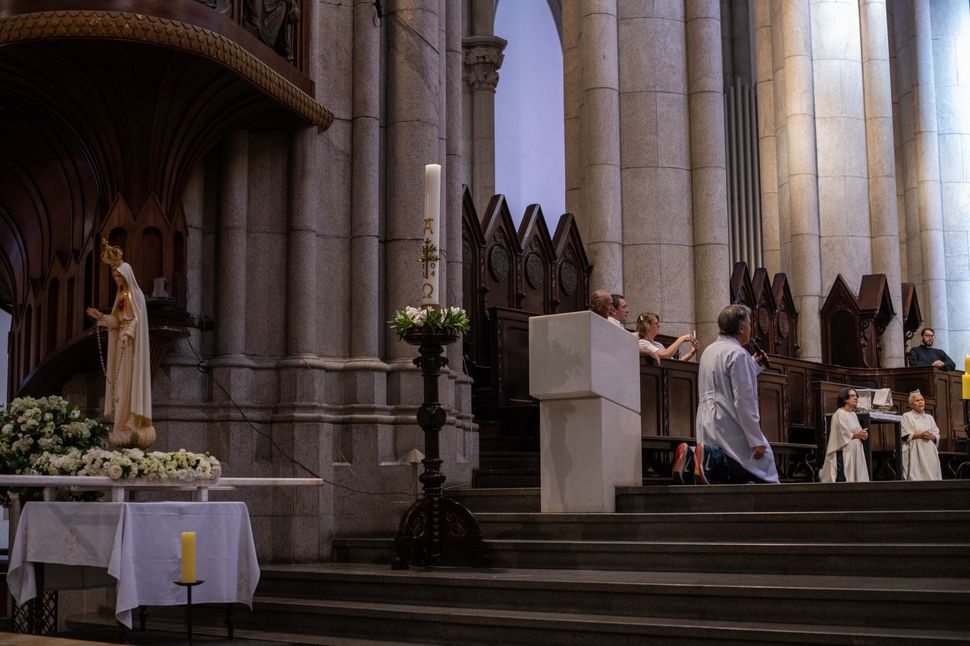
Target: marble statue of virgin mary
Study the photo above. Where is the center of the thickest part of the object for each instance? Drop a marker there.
(128, 389)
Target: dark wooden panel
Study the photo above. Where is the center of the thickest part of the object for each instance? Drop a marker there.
(772, 389)
(510, 361)
(651, 400)
(681, 388)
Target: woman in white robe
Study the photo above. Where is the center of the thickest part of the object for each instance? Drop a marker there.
(128, 390)
(845, 456)
(921, 437)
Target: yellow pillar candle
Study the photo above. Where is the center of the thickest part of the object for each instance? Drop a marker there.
(188, 557)
(966, 364)
(966, 386)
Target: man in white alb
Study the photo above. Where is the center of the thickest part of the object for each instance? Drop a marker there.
(730, 445)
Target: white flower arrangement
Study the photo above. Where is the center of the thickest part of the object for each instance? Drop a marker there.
(48, 436)
(180, 465)
(30, 427)
(445, 320)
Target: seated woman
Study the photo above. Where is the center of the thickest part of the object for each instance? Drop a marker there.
(845, 457)
(648, 326)
(921, 435)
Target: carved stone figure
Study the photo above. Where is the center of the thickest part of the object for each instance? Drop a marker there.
(273, 22)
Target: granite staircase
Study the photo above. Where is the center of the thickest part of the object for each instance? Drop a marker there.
(869, 563)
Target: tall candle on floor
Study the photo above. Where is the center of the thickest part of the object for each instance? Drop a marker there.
(966, 386)
(966, 364)
(188, 557)
(430, 256)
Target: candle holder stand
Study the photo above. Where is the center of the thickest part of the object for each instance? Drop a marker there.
(963, 470)
(188, 607)
(435, 530)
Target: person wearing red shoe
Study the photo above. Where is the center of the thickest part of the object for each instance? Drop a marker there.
(730, 445)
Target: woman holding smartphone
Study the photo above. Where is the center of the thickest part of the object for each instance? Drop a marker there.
(648, 326)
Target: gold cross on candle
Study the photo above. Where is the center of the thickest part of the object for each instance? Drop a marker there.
(429, 256)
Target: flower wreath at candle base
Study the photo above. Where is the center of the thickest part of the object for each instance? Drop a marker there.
(446, 321)
(48, 436)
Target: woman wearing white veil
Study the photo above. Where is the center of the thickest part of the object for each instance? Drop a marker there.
(128, 391)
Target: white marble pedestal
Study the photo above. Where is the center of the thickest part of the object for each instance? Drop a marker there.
(585, 372)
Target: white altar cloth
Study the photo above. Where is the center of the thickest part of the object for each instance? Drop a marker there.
(139, 544)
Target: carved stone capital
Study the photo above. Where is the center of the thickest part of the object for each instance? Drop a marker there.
(483, 58)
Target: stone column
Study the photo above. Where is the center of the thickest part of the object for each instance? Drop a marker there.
(799, 113)
(767, 145)
(840, 140)
(712, 262)
(572, 100)
(781, 136)
(231, 306)
(883, 216)
(366, 180)
(467, 438)
(929, 199)
(483, 58)
(951, 43)
(454, 152)
(600, 216)
(412, 141)
(301, 252)
(658, 255)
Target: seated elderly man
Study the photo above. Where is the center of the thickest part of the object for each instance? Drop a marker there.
(921, 436)
(601, 302)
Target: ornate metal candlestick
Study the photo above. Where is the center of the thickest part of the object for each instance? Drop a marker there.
(434, 529)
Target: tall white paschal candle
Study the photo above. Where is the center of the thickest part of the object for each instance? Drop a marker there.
(430, 255)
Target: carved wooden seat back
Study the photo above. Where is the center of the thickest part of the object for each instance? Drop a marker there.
(852, 326)
(509, 275)
(774, 318)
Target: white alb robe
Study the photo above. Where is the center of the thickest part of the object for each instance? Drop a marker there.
(728, 414)
(844, 424)
(921, 458)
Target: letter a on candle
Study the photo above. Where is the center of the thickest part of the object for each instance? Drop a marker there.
(188, 557)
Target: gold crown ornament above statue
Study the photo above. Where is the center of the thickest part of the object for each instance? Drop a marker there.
(111, 255)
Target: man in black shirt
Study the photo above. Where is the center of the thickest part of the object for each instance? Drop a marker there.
(927, 355)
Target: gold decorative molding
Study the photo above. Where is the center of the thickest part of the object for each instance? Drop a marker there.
(169, 33)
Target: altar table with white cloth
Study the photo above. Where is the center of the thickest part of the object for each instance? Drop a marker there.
(139, 544)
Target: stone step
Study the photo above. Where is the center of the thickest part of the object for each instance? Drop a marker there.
(871, 496)
(831, 559)
(508, 499)
(490, 460)
(862, 527)
(468, 627)
(493, 478)
(167, 628)
(893, 603)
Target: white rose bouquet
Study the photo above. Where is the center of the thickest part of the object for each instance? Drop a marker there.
(32, 427)
(48, 436)
(445, 320)
(132, 463)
